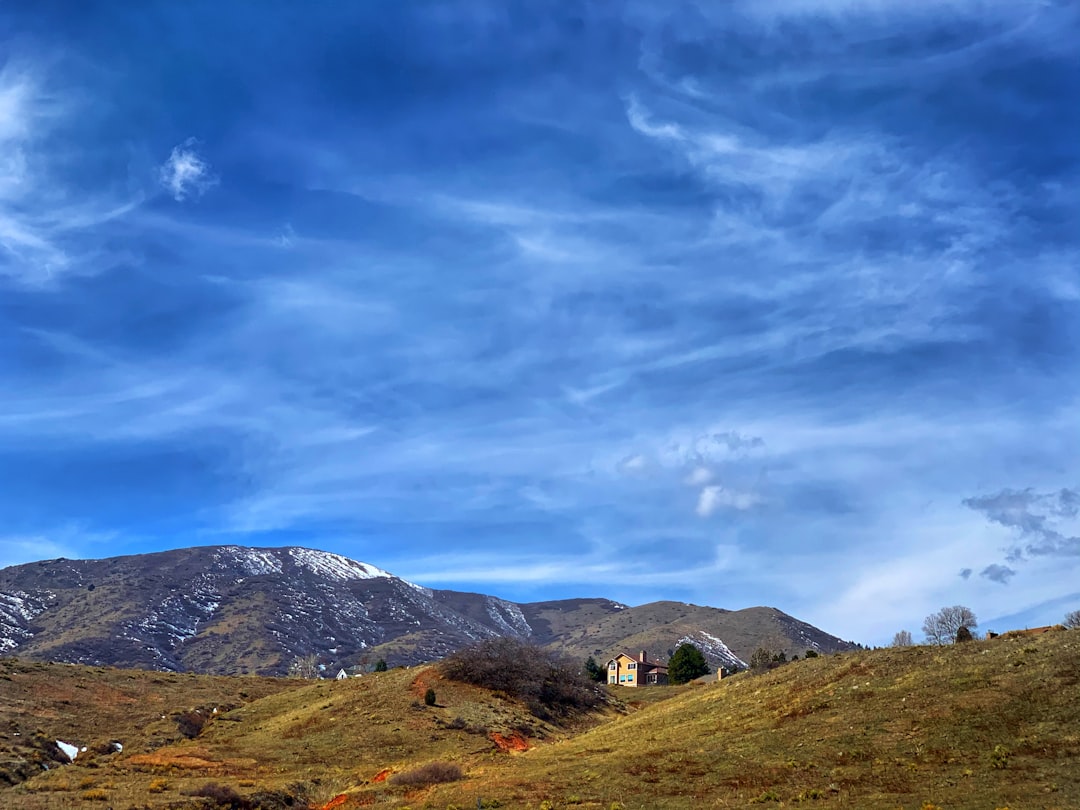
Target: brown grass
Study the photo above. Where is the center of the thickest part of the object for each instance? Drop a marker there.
(983, 725)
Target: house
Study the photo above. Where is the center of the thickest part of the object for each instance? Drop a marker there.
(341, 675)
(625, 670)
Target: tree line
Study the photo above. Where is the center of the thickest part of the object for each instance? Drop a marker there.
(957, 624)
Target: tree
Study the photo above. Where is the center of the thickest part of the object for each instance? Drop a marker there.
(380, 665)
(811, 654)
(1072, 619)
(594, 670)
(902, 639)
(686, 664)
(429, 697)
(941, 627)
(304, 666)
(761, 660)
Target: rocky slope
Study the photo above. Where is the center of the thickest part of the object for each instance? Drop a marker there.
(234, 610)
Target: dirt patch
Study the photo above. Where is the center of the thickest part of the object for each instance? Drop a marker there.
(348, 801)
(513, 741)
(427, 678)
(381, 775)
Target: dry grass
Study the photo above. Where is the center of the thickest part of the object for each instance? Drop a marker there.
(983, 725)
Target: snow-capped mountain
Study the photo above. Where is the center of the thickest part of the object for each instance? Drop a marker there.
(229, 609)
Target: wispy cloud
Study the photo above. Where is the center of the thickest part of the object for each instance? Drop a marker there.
(47, 223)
(186, 174)
(663, 298)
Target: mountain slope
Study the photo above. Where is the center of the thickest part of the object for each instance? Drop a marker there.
(234, 610)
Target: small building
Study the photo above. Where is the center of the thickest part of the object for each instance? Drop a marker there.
(625, 670)
(341, 675)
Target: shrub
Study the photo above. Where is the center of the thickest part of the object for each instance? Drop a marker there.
(95, 795)
(380, 665)
(222, 796)
(190, 723)
(545, 681)
(429, 697)
(811, 654)
(430, 774)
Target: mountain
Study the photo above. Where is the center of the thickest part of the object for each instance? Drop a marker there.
(235, 610)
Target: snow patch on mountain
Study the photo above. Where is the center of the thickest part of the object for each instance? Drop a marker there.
(508, 617)
(17, 609)
(252, 561)
(715, 650)
(334, 566)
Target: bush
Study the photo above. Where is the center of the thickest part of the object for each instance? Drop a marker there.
(380, 665)
(545, 681)
(811, 654)
(430, 774)
(222, 796)
(429, 697)
(190, 724)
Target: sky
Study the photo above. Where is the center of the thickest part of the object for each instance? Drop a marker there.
(731, 303)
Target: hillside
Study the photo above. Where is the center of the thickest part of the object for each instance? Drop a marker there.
(234, 610)
(989, 724)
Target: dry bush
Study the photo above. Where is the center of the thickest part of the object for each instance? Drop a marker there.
(191, 723)
(430, 774)
(222, 796)
(545, 681)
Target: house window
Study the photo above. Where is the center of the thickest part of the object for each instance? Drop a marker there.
(613, 666)
(631, 666)
(611, 679)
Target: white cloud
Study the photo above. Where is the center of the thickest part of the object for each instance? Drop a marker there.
(186, 174)
(41, 214)
(699, 476)
(717, 497)
(632, 464)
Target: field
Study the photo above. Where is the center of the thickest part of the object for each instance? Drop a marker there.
(988, 724)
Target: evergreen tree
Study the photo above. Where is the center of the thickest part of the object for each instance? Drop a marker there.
(686, 664)
(594, 670)
(380, 665)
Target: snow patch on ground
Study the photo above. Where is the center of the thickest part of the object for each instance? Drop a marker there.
(70, 751)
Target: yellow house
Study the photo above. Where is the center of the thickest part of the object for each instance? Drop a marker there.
(625, 670)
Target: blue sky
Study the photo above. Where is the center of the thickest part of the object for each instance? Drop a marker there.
(732, 303)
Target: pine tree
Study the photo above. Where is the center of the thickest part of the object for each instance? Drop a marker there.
(686, 664)
(594, 670)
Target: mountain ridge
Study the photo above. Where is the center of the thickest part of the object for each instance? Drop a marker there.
(239, 610)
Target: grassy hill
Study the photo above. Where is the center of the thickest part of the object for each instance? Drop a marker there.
(989, 724)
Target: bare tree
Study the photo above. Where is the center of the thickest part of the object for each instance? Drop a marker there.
(942, 627)
(1072, 619)
(903, 639)
(306, 666)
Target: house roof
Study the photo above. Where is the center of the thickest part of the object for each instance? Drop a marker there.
(646, 665)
